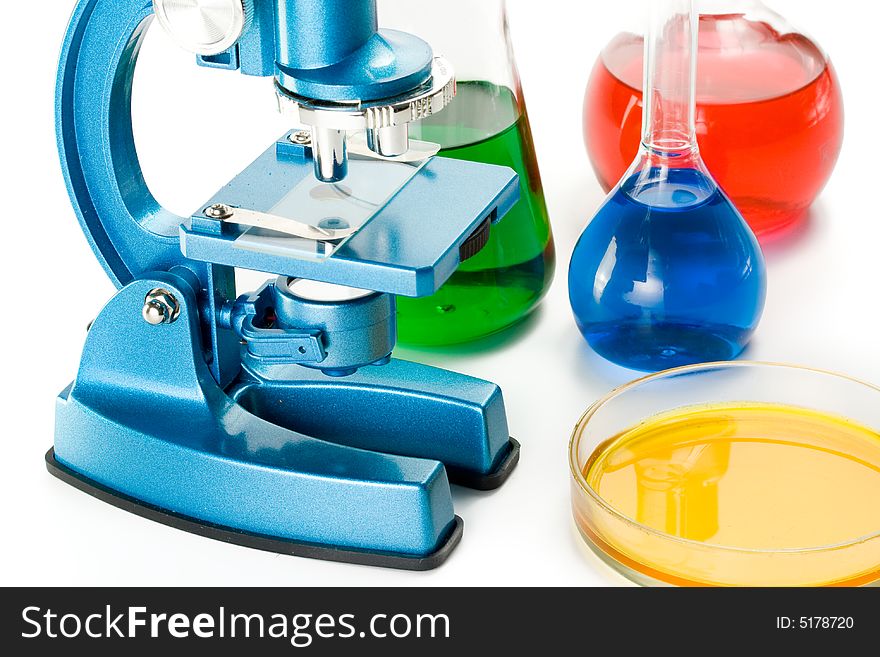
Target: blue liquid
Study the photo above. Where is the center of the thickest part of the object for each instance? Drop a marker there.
(667, 274)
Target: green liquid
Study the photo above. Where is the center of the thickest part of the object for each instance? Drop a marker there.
(505, 281)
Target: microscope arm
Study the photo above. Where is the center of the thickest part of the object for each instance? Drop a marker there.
(129, 231)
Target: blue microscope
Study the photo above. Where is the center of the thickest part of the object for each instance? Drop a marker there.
(278, 419)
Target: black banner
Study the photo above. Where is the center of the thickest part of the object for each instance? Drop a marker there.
(335, 621)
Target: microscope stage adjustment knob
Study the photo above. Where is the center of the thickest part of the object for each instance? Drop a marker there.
(476, 241)
(205, 27)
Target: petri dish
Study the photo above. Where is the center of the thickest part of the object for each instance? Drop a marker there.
(732, 474)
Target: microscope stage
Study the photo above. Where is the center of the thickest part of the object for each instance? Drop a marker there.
(401, 225)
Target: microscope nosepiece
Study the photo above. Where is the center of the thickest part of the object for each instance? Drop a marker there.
(385, 121)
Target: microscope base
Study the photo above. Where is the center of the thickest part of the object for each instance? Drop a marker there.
(401, 407)
(257, 541)
(146, 428)
(492, 480)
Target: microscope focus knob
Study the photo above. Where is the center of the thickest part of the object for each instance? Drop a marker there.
(205, 27)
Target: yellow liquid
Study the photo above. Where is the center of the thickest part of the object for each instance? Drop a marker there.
(755, 477)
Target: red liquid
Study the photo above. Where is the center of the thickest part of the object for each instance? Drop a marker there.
(769, 116)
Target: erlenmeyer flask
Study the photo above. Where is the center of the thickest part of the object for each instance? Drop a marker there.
(769, 111)
(487, 122)
(667, 273)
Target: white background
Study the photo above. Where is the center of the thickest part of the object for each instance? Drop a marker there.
(821, 309)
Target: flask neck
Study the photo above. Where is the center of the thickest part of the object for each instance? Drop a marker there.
(670, 79)
(722, 7)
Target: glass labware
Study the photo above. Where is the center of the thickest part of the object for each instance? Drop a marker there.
(769, 115)
(667, 273)
(732, 474)
(487, 122)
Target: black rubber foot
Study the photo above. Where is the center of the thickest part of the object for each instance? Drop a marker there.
(491, 481)
(257, 541)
